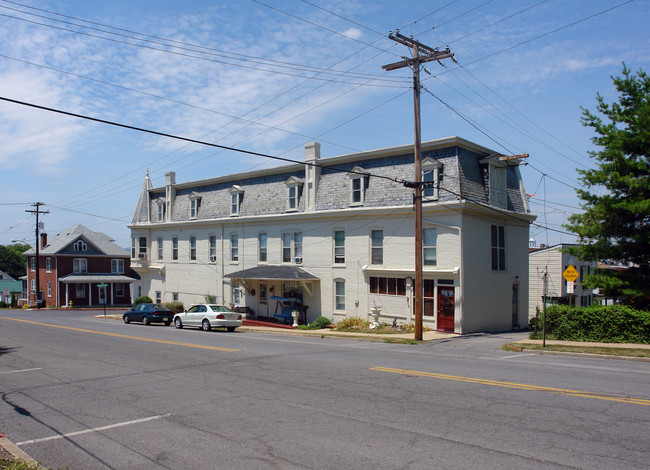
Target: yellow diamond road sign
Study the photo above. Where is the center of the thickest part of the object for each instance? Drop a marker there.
(570, 274)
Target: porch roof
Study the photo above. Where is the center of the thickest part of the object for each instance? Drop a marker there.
(270, 272)
(79, 278)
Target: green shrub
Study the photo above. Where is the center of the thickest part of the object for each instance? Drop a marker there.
(352, 323)
(605, 324)
(143, 300)
(176, 307)
(3, 304)
(318, 324)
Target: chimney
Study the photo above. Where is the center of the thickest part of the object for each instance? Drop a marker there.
(170, 193)
(312, 174)
(43, 240)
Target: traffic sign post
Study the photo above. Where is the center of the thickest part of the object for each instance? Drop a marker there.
(103, 286)
(570, 275)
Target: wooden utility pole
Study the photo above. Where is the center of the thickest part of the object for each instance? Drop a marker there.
(420, 55)
(38, 242)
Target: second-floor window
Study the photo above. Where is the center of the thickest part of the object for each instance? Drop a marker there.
(261, 243)
(117, 266)
(339, 247)
(80, 265)
(498, 242)
(234, 248)
(376, 247)
(193, 248)
(175, 248)
(213, 248)
(429, 239)
(292, 247)
(160, 248)
(48, 265)
(32, 262)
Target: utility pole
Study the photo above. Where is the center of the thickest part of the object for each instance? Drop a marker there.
(420, 55)
(38, 259)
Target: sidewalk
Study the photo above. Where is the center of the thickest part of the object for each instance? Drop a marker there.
(585, 344)
(426, 335)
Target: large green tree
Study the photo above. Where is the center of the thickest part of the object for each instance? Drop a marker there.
(615, 224)
(12, 260)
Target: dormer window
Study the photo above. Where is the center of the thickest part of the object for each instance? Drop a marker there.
(195, 204)
(294, 186)
(80, 245)
(236, 197)
(358, 177)
(161, 211)
(430, 178)
(497, 168)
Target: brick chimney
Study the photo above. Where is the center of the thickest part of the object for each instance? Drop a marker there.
(43, 240)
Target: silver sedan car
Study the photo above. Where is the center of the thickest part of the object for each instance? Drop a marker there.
(208, 316)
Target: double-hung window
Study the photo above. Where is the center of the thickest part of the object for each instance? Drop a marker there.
(430, 171)
(261, 244)
(48, 265)
(234, 248)
(358, 178)
(292, 247)
(498, 242)
(213, 248)
(160, 248)
(161, 211)
(339, 295)
(376, 247)
(236, 196)
(195, 205)
(429, 239)
(175, 248)
(80, 265)
(117, 266)
(293, 193)
(142, 247)
(193, 248)
(339, 247)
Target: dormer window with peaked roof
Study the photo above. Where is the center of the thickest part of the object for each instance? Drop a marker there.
(195, 204)
(294, 187)
(430, 177)
(358, 177)
(236, 197)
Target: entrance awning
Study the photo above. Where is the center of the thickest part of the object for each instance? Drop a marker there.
(92, 278)
(274, 273)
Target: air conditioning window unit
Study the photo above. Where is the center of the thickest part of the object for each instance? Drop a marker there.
(299, 260)
(213, 258)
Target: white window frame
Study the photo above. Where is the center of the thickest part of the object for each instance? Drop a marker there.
(195, 205)
(49, 288)
(262, 247)
(158, 297)
(117, 266)
(32, 264)
(429, 245)
(161, 211)
(236, 197)
(192, 250)
(293, 193)
(339, 247)
(376, 249)
(175, 248)
(160, 248)
(79, 265)
(339, 298)
(358, 177)
(498, 247)
(142, 247)
(80, 245)
(33, 286)
(430, 174)
(234, 248)
(48, 265)
(212, 248)
(292, 243)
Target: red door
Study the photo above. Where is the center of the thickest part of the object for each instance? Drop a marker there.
(446, 307)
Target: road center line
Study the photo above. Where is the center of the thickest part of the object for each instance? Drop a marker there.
(21, 370)
(86, 431)
(116, 335)
(532, 388)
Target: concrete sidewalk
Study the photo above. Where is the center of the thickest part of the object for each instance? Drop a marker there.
(585, 344)
(426, 335)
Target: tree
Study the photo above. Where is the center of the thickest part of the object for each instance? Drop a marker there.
(12, 260)
(615, 224)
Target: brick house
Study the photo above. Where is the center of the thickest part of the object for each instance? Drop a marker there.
(73, 264)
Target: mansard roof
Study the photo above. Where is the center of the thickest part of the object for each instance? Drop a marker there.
(463, 175)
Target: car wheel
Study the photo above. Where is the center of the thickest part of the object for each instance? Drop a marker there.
(146, 320)
(178, 323)
(126, 319)
(231, 328)
(205, 326)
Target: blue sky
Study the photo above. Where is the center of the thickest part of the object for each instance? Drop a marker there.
(269, 76)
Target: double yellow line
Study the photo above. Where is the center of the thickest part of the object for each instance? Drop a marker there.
(532, 388)
(115, 335)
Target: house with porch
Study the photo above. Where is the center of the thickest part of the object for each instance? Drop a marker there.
(81, 267)
(334, 237)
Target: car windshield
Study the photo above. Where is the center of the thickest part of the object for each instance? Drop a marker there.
(159, 307)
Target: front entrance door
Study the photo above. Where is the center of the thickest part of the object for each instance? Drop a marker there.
(446, 308)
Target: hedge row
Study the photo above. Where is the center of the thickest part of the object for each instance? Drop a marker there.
(604, 324)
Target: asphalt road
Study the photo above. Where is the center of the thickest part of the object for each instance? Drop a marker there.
(89, 393)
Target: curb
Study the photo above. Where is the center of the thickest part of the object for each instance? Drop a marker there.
(12, 449)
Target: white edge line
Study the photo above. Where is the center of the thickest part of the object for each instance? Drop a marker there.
(21, 370)
(518, 355)
(86, 431)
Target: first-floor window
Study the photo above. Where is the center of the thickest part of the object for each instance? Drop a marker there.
(235, 296)
(175, 248)
(263, 294)
(339, 287)
(158, 296)
(49, 288)
(33, 283)
(160, 248)
(81, 291)
(119, 290)
(175, 296)
(387, 285)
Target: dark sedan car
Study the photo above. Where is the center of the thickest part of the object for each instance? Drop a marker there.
(149, 313)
